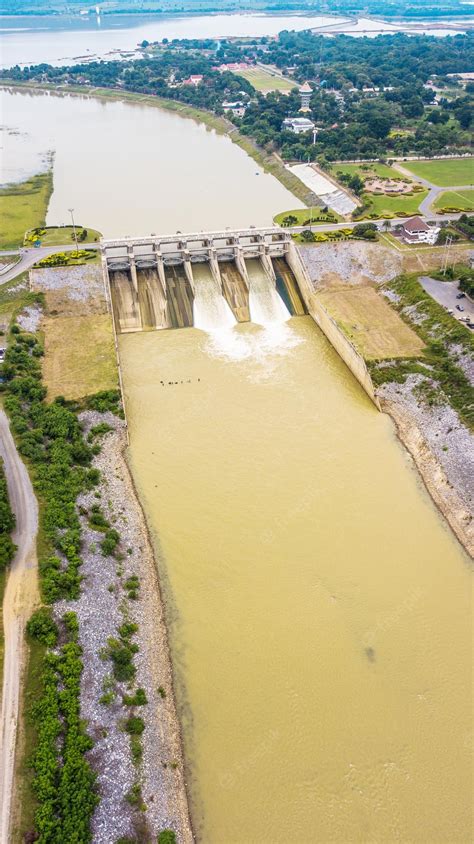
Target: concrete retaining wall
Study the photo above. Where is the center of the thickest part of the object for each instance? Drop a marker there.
(343, 346)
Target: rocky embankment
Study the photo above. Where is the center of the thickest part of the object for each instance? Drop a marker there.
(441, 445)
(138, 798)
(442, 449)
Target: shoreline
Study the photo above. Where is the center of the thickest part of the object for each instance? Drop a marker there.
(270, 163)
(162, 769)
(443, 493)
(186, 818)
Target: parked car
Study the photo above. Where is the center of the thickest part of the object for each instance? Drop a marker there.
(460, 307)
(2, 354)
(460, 296)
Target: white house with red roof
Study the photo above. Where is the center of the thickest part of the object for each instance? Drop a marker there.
(415, 230)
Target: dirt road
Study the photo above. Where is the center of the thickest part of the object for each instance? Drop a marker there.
(21, 596)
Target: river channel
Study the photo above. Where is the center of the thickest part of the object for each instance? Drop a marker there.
(319, 607)
(62, 40)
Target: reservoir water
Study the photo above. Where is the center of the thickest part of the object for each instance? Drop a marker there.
(62, 40)
(320, 607)
(127, 168)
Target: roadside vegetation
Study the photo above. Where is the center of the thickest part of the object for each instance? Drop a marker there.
(445, 340)
(7, 524)
(68, 259)
(454, 201)
(23, 205)
(60, 235)
(49, 438)
(304, 217)
(380, 205)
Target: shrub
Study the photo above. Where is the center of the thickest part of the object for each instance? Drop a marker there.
(110, 542)
(138, 699)
(121, 654)
(134, 797)
(97, 520)
(134, 725)
(41, 626)
(167, 836)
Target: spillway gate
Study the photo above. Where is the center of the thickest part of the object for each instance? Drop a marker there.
(205, 280)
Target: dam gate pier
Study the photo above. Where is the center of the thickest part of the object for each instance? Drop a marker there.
(211, 280)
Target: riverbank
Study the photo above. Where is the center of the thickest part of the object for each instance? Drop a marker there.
(406, 384)
(446, 470)
(160, 772)
(269, 162)
(23, 206)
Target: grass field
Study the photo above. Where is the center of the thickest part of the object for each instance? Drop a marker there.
(463, 199)
(445, 172)
(374, 328)
(79, 356)
(364, 170)
(303, 214)
(62, 235)
(265, 80)
(23, 206)
(383, 205)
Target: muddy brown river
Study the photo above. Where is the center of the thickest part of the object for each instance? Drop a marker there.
(320, 608)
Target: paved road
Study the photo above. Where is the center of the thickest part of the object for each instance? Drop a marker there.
(434, 190)
(445, 292)
(21, 596)
(30, 255)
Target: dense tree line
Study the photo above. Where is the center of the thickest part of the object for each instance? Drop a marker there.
(50, 437)
(401, 118)
(7, 523)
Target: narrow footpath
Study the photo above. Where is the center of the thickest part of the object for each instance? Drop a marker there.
(21, 597)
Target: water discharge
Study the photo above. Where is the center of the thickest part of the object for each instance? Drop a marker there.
(320, 609)
(211, 311)
(266, 305)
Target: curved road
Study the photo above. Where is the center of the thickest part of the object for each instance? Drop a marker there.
(21, 597)
(32, 254)
(434, 190)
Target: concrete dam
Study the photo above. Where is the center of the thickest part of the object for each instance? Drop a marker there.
(207, 280)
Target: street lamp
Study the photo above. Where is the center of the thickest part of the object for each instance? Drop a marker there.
(71, 211)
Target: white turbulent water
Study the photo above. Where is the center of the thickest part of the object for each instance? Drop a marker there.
(266, 305)
(211, 311)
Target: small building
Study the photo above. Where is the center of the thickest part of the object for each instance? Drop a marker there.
(415, 230)
(298, 125)
(193, 80)
(305, 94)
(237, 108)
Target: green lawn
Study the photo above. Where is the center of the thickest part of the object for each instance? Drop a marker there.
(445, 172)
(463, 199)
(364, 170)
(385, 206)
(303, 215)
(265, 80)
(23, 206)
(62, 235)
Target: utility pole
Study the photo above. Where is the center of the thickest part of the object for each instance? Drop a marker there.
(71, 211)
